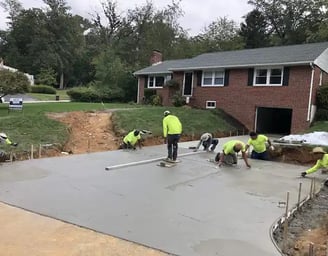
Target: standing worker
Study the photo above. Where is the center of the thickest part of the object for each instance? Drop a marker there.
(229, 153)
(131, 139)
(258, 141)
(322, 162)
(208, 142)
(172, 129)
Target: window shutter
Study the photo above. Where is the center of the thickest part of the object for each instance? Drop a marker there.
(146, 82)
(226, 77)
(250, 76)
(199, 77)
(285, 79)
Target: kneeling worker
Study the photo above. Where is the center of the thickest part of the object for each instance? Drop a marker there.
(130, 140)
(229, 156)
(322, 162)
(208, 142)
(258, 141)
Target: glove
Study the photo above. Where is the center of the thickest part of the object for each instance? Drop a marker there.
(303, 174)
(271, 148)
(14, 144)
(165, 140)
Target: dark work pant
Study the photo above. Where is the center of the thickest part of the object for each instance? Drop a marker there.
(208, 143)
(261, 156)
(172, 146)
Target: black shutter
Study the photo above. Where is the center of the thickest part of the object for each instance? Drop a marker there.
(226, 77)
(199, 78)
(250, 76)
(146, 82)
(285, 79)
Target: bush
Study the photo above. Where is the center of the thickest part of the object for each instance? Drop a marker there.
(148, 94)
(321, 115)
(84, 94)
(156, 100)
(178, 100)
(13, 82)
(172, 83)
(322, 97)
(43, 89)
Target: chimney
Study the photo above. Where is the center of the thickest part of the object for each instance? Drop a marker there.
(156, 57)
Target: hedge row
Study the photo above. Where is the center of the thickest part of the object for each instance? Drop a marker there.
(43, 89)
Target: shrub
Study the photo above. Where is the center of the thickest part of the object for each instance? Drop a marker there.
(178, 100)
(84, 94)
(172, 83)
(156, 100)
(43, 89)
(321, 114)
(322, 97)
(148, 94)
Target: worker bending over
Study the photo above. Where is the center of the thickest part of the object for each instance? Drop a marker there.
(131, 139)
(258, 142)
(208, 142)
(172, 129)
(229, 153)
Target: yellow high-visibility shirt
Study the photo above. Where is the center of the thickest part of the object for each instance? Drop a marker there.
(228, 147)
(130, 138)
(321, 163)
(259, 143)
(171, 125)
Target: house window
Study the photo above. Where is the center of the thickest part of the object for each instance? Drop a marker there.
(213, 78)
(156, 81)
(210, 104)
(271, 76)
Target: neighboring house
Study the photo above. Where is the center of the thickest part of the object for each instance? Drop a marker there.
(270, 90)
(29, 77)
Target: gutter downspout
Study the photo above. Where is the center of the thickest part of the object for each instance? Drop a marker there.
(310, 94)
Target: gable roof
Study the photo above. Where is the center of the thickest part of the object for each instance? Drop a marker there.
(161, 68)
(301, 54)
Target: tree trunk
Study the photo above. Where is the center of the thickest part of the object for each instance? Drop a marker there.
(61, 82)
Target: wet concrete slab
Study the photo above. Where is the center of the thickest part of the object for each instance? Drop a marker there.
(194, 208)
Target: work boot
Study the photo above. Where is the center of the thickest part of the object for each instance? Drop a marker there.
(326, 183)
(303, 174)
(168, 159)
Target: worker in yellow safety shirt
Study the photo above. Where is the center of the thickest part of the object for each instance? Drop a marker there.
(5, 140)
(172, 129)
(131, 139)
(258, 142)
(229, 153)
(322, 162)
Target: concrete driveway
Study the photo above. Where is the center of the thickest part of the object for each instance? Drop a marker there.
(191, 209)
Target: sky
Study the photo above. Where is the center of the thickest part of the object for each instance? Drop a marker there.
(197, 13)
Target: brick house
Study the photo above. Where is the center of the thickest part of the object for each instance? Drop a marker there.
(270, 90)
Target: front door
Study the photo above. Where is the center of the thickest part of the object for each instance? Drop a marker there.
(187, 84)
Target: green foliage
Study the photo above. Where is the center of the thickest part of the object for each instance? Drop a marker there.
(13, 82)
(156, 100)
(43, 89)
(178, 100)
(84, 94)
(322, 97)
(321, 114)
(319, 126)
(47, 76)
(148, 95)
(172, 83)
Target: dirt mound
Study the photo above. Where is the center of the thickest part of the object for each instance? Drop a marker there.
(89, 131)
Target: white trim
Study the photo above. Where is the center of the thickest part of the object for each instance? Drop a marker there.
(242, 66)
(192, 82)
(138, 92)
(210, 107)
(320, 78)
(310, 94)
(213, 78)
(255, 125)
(154, 81)
(268, 75)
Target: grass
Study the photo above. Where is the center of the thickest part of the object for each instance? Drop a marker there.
(319, 126)
(31, 126)
(194, 121)
(42, 96)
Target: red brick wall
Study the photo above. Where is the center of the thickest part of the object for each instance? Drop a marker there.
(240, 100)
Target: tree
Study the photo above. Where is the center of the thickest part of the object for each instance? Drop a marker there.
(13, 83)
(290, 19)
(255, 30)
(13, 7)
(220, 35)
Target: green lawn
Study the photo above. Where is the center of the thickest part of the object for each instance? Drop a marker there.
(194, 121)
(319, 126)
(42, 96)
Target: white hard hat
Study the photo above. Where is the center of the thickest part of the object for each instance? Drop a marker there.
(205, 136)
(166, 112)
(3, 135)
